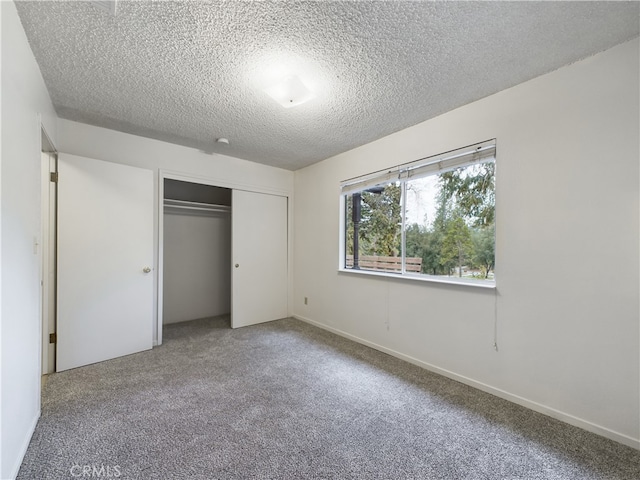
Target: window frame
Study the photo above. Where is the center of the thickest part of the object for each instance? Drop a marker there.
(428, 166)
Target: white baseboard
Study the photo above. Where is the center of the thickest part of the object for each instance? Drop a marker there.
(24, 446)
(537, 407)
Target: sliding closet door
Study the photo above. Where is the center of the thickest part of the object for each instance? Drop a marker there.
(259, 252)
(105, 256)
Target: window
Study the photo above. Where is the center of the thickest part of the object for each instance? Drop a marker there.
(430, 219)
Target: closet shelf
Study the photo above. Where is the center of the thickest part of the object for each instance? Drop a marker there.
(195, 208)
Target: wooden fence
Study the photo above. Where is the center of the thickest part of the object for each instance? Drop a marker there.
(386, 264)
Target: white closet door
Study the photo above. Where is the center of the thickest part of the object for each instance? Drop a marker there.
(105, 247)
(259, 252)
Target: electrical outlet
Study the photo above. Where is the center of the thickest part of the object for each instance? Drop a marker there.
(306, 301)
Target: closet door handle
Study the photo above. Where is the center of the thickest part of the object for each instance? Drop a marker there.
(146, 269)
(237, 265)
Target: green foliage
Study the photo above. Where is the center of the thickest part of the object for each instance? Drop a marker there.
(457, 246)
(484, 256)
(380, 225)
(471, 190)
(465, 218)
(426, 244)
(349, 224)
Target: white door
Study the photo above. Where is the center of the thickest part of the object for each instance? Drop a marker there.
(105, 256)
(259, 252)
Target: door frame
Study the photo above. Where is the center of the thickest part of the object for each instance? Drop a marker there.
(48, 226)
(216, 182)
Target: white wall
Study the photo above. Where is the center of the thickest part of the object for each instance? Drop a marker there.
(24, 102)
(197, 266)
(567, 250)
(113, 146)
(174, 161)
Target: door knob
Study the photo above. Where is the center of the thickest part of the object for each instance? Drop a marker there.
(237, 265)
(146, 269)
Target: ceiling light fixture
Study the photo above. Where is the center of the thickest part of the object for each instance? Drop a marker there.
(290, 92)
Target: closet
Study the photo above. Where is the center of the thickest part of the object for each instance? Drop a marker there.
(196, 251)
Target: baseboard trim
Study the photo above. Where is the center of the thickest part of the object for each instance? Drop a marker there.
(535, 406)
(25, 445)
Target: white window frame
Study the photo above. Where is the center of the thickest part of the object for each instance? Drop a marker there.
(433, 165)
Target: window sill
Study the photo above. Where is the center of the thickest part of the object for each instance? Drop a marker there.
(490, 284)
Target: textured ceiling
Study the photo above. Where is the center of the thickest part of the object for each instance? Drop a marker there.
(189, 72)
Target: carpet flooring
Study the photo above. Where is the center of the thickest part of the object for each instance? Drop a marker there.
(286, 400)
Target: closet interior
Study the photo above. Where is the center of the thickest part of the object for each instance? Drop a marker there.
(196, 251)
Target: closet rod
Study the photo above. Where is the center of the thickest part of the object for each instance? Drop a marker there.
(187, 205)
(196, 209)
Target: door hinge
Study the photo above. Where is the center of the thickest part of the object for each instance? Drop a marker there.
(53, 176)
(53, 338)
